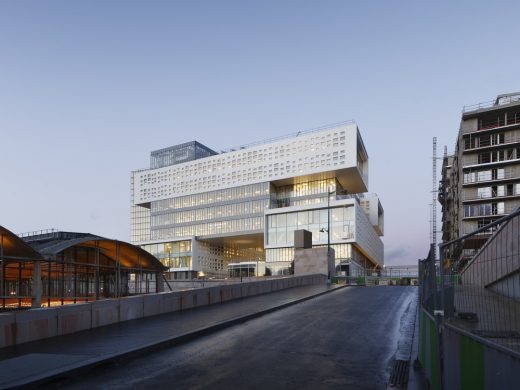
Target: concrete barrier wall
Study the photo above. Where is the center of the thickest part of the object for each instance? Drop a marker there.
(74, 318)
(105, 312)
(36, 324)
(131, 308)
(497, 263)
(7, 329)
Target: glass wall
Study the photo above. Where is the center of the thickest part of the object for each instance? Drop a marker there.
(178, 154)
(175, 254)
(230, 210)
(278, 260)
(300, 194)
(207, 213)
(209, 228)
(348, 259)
(140, 219)
(260, 190)
(281, 227)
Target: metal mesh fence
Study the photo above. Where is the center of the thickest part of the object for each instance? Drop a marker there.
(475, 285)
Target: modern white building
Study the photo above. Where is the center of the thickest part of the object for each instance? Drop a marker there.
(198, 210)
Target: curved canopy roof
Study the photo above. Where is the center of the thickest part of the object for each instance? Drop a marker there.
(129, 256)
(13, 247)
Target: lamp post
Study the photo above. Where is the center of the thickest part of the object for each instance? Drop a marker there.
(329, 193)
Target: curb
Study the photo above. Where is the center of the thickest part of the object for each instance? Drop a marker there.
(416, 377)
(85, 365)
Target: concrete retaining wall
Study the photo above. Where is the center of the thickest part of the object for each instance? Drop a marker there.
(7, 330)
(497, 264)
(74, 318)
(36, 324)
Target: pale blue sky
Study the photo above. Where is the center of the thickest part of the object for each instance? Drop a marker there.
(89, 88)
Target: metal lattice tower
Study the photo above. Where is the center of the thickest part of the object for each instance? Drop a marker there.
(434, 200)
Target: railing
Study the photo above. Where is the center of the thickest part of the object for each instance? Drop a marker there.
(471, 162)
(498, 212)
(494, 195)
(478, 106)
(500, 123)
(486, 232)
(491, 103)
(44, 232)
(489, 177)
(482, 145)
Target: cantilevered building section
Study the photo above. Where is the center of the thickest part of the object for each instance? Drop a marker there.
(202, 211)
(481, 180)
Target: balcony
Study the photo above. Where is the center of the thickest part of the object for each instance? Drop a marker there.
(483, 146)
(476, 214)
(495, 125)
(487, 177)
(468, 164)
(494, 196)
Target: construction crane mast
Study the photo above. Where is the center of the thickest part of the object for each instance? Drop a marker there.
(434, 199)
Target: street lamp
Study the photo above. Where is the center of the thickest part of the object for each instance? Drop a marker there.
(329, 193)
(323, 230)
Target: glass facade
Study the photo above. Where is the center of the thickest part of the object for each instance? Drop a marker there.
(237, 209)
(174, 254)
(300, 194)
(178, 154)
(260, 190)
(208, 213)
(278, 260)
(140, 219)
(214, 258)
(281, 227)
(220, 201)
(210, 228)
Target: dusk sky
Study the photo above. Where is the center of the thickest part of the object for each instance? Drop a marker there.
(89, 88)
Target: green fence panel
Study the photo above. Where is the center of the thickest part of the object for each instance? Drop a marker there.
(471, 364)
(434, 357)
(429, 354)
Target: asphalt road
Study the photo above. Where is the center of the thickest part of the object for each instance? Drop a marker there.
(345, 339)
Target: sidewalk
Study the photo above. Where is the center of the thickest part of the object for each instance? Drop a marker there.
(40, 361)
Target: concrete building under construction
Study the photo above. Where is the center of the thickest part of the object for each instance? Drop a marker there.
(481, 180)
